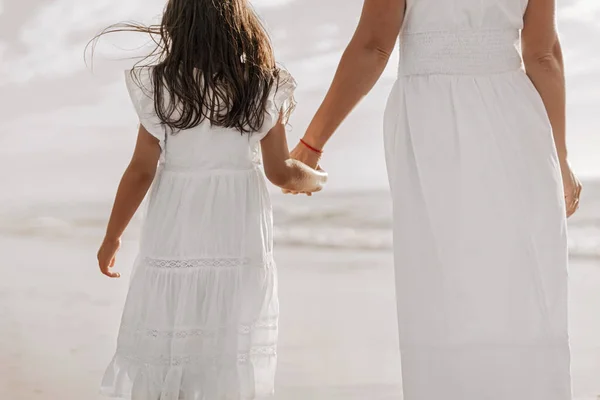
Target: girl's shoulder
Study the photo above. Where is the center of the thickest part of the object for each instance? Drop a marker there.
(280, 102)
(141, 92)
(140, 85)
(139, 80)
(284, 87)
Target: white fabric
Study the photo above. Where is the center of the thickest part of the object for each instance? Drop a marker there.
(200, 320)
(479, 216)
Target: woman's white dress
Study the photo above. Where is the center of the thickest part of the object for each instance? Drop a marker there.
(479, 217)
(200, 320)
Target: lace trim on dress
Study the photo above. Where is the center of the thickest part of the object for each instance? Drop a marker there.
(269, 350)
(205, 263)
(265, 324)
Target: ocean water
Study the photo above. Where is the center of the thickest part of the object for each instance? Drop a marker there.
(364, 221)
(337, 220)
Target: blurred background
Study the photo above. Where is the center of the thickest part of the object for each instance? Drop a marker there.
(67, 131)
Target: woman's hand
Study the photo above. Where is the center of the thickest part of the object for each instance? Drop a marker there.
(571, 186)
(107, 255)
(305, 155)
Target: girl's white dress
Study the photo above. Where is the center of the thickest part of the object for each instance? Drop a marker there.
(479, 216)
(200, 320)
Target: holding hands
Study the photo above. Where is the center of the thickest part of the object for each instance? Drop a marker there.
(309, 156)
(292, 173)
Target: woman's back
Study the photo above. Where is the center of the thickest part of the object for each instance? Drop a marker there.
(458, 15)
(476, 157)
(479, 214)
(461, 36)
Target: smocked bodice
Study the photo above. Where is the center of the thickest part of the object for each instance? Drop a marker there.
(461, 37)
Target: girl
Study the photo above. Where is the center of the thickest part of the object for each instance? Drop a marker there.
(200, 320)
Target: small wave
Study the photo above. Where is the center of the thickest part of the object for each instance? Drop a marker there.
(582, 242)
(356, 221)
(61, 227)
(340, 238)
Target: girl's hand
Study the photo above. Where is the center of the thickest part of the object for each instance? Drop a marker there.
(572, 188)
(106, 256)
(318, 169)
(307, 156)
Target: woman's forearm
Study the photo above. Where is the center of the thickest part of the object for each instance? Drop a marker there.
(547, 74)
(360, 67)
(132, 190)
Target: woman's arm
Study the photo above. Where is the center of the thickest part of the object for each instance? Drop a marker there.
(282, 171)
(133, 188)
(543, 61)
(361, 66)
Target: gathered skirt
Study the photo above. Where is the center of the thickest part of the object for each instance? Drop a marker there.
(201, 316)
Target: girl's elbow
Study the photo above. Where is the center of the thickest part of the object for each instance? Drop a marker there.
(142, 173)
(143, 178)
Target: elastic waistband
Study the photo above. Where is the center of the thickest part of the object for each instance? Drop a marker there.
(459, 52)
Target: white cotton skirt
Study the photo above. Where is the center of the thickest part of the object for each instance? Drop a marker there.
(201, 316)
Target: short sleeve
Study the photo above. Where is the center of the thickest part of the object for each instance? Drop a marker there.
(280, 100)
(141, 92)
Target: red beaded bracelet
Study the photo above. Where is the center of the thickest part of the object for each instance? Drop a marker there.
(310, 147)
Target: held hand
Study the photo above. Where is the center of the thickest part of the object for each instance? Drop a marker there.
(572, 188)
(319, 180)
(313, 181)
(306, 155)
(107, 256)
(309, 156)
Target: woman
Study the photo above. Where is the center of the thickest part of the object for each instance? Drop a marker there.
(477, 163)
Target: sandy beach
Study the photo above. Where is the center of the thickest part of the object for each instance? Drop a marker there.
(59, 319)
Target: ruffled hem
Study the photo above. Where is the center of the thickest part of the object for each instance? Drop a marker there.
(108, 394)
(127, 378)
(197, 329)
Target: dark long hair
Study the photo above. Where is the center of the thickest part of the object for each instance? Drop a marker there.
(213, 61)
